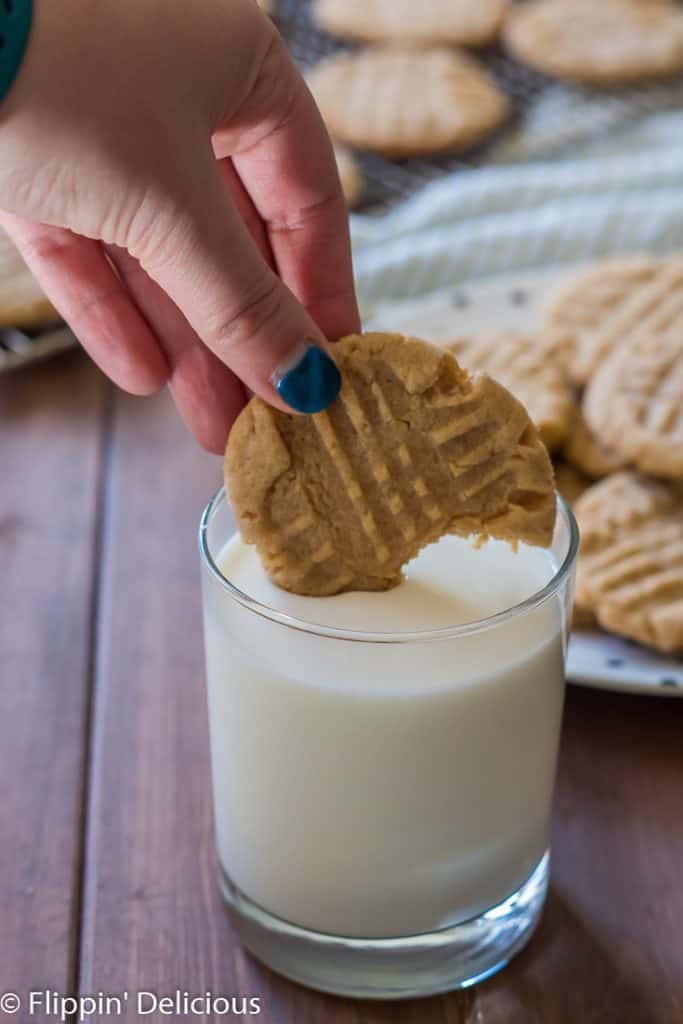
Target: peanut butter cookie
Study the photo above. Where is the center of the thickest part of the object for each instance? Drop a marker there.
(413, 448)
(589, 452)
(570, 481)
(630, 571)
(401, 102)
(599, 42)
(519, 363)
(634, 403)
(600, 306)
(431, 22)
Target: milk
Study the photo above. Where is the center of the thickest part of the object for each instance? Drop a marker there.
(385, 789)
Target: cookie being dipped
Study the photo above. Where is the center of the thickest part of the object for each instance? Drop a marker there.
(412, 448)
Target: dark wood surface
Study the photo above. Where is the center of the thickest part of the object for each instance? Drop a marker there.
(51, 423)
(107, 865)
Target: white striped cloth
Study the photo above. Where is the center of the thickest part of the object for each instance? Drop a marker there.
(622, 194)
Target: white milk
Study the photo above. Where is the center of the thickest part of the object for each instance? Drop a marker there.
(374, 789)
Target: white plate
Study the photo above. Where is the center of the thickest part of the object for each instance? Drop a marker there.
(515, 301)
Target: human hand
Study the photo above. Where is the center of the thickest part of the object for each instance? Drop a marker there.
(166, 175)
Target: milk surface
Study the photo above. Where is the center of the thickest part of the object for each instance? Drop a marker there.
(385, 789)
(448, 584)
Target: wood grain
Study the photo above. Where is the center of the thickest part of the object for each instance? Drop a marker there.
(608, 949)
(151, 915)
(51, 438)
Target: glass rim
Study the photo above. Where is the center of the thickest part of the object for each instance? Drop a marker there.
(360, 636)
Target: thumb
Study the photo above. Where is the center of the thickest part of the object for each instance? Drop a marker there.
(205, 259)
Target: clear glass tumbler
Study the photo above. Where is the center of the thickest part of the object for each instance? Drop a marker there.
(382, 801)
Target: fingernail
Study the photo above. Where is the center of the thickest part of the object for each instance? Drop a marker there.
(308, 380)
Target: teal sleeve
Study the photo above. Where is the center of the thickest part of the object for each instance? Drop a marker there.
(15, 27)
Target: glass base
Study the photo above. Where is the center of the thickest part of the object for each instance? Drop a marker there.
(419, 965)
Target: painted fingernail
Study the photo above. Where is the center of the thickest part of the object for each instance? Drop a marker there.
(308, 380)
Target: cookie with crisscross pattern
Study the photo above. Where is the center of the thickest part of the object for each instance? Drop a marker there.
(630, 572)
(634, 403)
(430, 22)
(599, 307)
(518, 361)
(412, 448)
(600, 42)
(401, 102)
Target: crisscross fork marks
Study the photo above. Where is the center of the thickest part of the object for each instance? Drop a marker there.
(655, 308)
(431, 507)
(601, 307)
(343, 499)
(519, 362)
(635, 402)
(643, 555)
(631, 565)
(422, 100)
(378, 464)
(303, 525)
(329, 438)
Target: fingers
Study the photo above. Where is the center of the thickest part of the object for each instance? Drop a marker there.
(202, 255)
(208, 395)
(83, 287)
(246, 209)
(282, 153)
(130, 328)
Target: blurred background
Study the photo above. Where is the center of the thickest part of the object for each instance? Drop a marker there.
(489, 152)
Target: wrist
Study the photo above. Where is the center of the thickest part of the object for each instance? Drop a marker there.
(15, 27)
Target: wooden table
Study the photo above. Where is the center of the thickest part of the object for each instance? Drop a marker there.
(107, 860)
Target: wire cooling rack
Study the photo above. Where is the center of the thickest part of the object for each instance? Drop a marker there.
(387, 181)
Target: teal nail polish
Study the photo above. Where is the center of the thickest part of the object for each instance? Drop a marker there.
(309, 380)
(15, 28)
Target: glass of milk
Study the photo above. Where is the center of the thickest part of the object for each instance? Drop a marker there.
(383, 763)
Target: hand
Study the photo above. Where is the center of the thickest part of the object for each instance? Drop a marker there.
(166, 175)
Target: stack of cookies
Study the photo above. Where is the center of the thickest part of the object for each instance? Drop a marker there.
(411, 89)
(603, 381)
